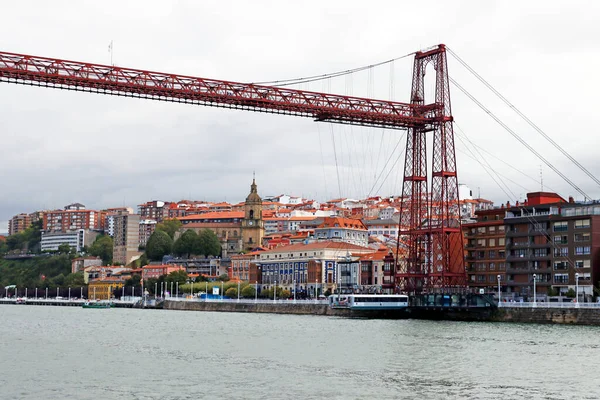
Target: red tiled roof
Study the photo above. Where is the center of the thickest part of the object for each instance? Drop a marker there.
(318, 246)
(339, 222)
(214, 215)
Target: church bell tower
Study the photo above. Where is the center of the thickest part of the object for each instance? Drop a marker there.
(253, 228)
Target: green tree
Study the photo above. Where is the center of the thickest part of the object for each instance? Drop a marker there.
(208, 243)
(551, 291)
(64, 249)
(570, 293)
(58, 280)
(103, 248)
(74, 279)
(177, 276)
(169, 226)
(159, 245)
(248, 292)
(231, 293)
(186, 244)
(224, 278)
(135, 280)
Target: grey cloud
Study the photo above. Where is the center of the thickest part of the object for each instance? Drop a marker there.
(60, 146)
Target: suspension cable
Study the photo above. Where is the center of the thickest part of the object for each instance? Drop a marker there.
(521, 140)
(524, 117)
(295, 81)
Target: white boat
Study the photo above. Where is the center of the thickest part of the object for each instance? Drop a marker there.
(369, 301)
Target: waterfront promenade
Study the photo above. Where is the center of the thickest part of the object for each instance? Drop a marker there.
(41, 301)
(536, 313)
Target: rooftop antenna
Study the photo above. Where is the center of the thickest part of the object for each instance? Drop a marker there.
(541, 178)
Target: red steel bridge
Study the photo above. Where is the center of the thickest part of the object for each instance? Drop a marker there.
(430, 215)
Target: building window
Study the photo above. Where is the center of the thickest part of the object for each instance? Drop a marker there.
(561, 226)
(582, 237)
(561, 252)
(561, 239)
(582, 250)
(492, 229)
(561, 278)
(561, 265)
(492, 266)
(582, 223)
(492, 253)
(582, 263)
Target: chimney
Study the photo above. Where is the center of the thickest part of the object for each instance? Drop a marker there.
(571, 200)
(517, 204)
(508, 204)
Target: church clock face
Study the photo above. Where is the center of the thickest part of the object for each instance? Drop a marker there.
(250, 223)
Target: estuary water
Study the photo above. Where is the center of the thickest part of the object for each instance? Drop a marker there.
(75, 353)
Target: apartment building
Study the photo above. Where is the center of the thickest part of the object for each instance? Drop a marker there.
(73, 217)
(382, 227)
(576, 237)
(126, 238)
(18, 223)
(109, 218)
(146, 229)
(485, 249)
(530, 245)
(156, 210)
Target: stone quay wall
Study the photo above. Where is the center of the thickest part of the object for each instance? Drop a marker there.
(574, 316)
(299, 308)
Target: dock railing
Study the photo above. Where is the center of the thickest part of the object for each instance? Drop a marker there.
(546, 304)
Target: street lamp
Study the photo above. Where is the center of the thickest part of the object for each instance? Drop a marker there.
(46, 293)
(577, 288)
(294, 290)
(275, 292)
(192, 289)
(69, 293)
(255, 291)
(534, 299)
(221, 290)
(205, 290)
(498, 276)
(238, 292)
(177, 289)
(316, 281)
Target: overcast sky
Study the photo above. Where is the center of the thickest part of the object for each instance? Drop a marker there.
(59, 147)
